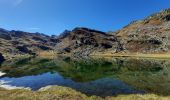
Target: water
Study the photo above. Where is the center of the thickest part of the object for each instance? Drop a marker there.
(92, 76)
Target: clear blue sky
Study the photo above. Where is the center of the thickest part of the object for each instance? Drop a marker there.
(54, 16)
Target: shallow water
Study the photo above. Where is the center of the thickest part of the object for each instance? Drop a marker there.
(92, 76)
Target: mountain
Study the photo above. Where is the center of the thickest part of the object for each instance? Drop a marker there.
(84, 41)
(19, 42)
(149, 36)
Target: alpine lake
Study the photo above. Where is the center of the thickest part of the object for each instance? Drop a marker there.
(91, 76)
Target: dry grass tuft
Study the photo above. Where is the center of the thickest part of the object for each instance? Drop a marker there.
(64, 93)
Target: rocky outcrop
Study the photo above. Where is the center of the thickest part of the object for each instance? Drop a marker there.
(84, 41)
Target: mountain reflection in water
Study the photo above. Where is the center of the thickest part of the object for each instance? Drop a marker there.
(92, 76)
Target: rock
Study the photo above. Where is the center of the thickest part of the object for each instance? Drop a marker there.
(167, 18)
(45, 48)
(39, 39)
(154, 41)
(55, 40)
(64, 34)
(24, 49)
(106, 45)
(68, 50)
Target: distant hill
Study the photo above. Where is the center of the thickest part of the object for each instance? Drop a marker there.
(19, 42)
(150, 35)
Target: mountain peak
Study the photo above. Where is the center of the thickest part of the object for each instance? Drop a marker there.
(163, 15)
(87, 29)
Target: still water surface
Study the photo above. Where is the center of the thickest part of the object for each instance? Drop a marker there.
(92, 76)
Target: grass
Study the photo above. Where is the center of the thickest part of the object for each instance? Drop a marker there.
(46, 53)
(110, 54)
(139, 97)
(140, 55)
(48, 93)
(64, 93)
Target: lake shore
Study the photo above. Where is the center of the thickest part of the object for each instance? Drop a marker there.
(135, 55)
(51, 54)
(64, 93)
(57, 92)
(111, 54)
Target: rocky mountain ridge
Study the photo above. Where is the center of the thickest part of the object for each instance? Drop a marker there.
(84, 41)
(19, 42)
(150, 35)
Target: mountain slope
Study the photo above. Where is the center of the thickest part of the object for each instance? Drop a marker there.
(148, 36)
(19, 42)
(84, 41)
(151, 35)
